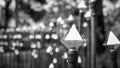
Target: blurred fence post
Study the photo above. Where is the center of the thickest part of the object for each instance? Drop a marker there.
(72, 58)
(92, 35)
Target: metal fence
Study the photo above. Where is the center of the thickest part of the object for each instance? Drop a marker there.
(24, 60)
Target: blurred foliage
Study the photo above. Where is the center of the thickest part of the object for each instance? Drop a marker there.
(38, 10)
(30, 12)
(111, 12)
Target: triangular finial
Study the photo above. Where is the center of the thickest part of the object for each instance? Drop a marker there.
(82, 5)
(112, 39)
(51, 65)
(73, 34)
(88, 14)
(60, 20)
(73, 38)
(70, 18)
(79, 59)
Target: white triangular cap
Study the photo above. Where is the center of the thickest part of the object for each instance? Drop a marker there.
(112, 39)
(54, 60)
(88, 14)
(57, 49)
(51, 24)
(51, 65)
(60, 20)
(73, 34)
(65, 55)
(73, 38)
(82, 5)
(79, 59)
(70, 18)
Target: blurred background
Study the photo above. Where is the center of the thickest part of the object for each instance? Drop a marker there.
(31, 32)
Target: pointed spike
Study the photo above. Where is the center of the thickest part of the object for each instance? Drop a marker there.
(56, 49)
(70, 18)
(60, 20)
(51, 65)
(82, 5)
(54, 60)
(51, 24)
(65, 55)
(79, 60)
(88, 14)
(112, 39)
(73, 34)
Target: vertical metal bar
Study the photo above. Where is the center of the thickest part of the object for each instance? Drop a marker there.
(15, 62)
(10, 60)
(92, 38)
(23, 58)
(0, 61)
(4, 60)
(5, 65)
(72, 58)
(7, 13)
(88, 46)
(8, 57)
(114, 59)
(63, 63)
(32, 61)
(81, 13)
(26, 57)
(92, 44)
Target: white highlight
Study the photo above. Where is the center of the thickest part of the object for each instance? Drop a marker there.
(79, 59)
(70, 18)
(54, 60)
(65, 55)
(51, 65)
(49, 49)
(60, 20)
(47, 36)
